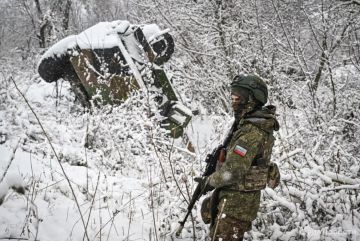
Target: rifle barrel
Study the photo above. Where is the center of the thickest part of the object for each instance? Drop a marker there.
(211, 160)
(196, 195)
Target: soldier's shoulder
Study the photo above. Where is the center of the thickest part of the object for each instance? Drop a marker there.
(250, 130)
(264, 119)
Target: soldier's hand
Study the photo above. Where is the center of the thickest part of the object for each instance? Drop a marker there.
(204, 183)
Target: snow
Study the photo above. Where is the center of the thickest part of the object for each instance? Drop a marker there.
(55, 203)
(60, 48)
(178, 118)
(106, 35)
(131, 180)
(131, 187)
(226, 176)
(102, 35)
(182, 108)
(152, 31)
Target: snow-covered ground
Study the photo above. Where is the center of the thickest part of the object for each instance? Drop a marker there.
(122, 178)
(118, 179)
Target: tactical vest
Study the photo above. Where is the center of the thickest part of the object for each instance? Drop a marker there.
(262, 172)
(258, 175)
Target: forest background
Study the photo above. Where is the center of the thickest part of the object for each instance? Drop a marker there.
(132, 182)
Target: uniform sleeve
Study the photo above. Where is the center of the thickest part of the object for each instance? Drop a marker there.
(241, 153)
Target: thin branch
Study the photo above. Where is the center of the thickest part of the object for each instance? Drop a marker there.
(200, 53)
(152, 206)
(158, 156)
(333, 90)
(14, 238)
(38, 7)
(292, 49)
(207, 26)
(191, 215)
(51, 185)
(11, 158)
(27, 10)
(56, 155)
(178, 148)
(312, 29)
(173, 174)
(342, 187)
(282, 26)
(355, 2)
(115, 214)
(92, 203)
(218, 219)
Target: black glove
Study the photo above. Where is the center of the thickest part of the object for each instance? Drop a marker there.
(204, 184)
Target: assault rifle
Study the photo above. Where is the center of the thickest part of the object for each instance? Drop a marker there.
(202, 186)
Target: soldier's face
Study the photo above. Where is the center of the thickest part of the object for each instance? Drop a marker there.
(237, 102)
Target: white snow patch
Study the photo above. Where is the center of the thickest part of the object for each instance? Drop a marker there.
(226, 176)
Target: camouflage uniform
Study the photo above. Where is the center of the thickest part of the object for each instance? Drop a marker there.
(246, 169)
(236, 180)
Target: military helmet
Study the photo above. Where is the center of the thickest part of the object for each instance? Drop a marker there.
(253, 83)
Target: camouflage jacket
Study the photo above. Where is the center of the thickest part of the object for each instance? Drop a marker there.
(252, 140)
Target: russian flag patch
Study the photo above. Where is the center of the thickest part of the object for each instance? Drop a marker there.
(240, 150)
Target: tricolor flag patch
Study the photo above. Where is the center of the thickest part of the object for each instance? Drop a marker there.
(240, 150)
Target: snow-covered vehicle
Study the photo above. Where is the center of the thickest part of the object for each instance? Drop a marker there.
(109, 60)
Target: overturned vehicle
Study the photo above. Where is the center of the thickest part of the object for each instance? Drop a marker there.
(109, 60)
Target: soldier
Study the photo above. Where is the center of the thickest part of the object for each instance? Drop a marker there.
(247, 169)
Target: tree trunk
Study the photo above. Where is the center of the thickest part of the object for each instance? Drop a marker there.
(66, 18)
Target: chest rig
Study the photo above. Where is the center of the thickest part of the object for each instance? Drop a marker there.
(262, 172)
